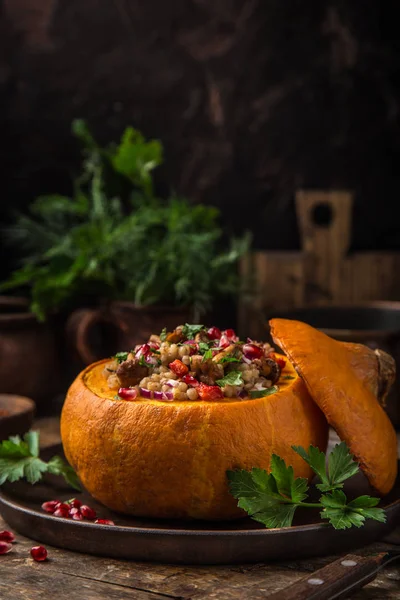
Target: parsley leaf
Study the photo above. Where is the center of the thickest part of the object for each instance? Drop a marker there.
(189, 331)
(163, 334)
(287, 486)
(232, 378)
(343, 515)
(19, 458)
(229, 359)
(207, 354)
(273, 497)
(121, 356)
(316, 459)
(264, 392)
(341, 465)
(270, 498)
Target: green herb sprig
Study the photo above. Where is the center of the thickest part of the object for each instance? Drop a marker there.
(272, 497)
(19, 459)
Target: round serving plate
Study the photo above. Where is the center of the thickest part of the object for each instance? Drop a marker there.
(179, 542)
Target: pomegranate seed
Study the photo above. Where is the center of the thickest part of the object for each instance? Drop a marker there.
(189, 380)
(230, 334)
(75, 514)
(74, 503)
(61, 512)
(88, 512)
(143, 350)
(281, 362)
(7, 536)
(39, 553)
(127, 393)
(51, 506)
(104, 522)
(5, 548)
(251, 351)
(224, 342)
(214, 333)
(193, 345)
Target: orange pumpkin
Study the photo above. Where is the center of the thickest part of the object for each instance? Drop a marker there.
(169, 459)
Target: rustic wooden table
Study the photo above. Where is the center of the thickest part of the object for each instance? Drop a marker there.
(68, 575)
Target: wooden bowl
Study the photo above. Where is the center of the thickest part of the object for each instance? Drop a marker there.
(16, 415)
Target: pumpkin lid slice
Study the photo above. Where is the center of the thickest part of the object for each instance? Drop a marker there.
(338, 379)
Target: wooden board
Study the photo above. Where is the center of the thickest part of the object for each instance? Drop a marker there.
(323, 272)
(178, 542)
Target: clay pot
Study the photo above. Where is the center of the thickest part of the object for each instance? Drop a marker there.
(94, 334)
(376, 324)
(29, 358)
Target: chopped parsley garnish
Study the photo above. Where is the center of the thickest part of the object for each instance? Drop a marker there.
(264, 392)
(232, 378)
(203, 347)
(121, 356)
(189, 331)
(288, 377)
(207, 354)
(229, 359)
(163, 334)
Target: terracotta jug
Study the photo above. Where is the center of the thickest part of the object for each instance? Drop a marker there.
(29, 356)
(98, 333)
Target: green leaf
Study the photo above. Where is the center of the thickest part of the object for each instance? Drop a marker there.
(190, 331)
(229, 359)
(121, 356)
(20, 459)
(336, 499)
(32, 440)
(207, 355)
(277, 515)
(317, 461)
(342, 515)
(377, 514)
(33, 469)
(163, 334)
(264, 392)
(58, 466)
(232, 378)
(295, 490)
(12, 469)
(364, 502)
(342, 519)
(242, 484)
(341, 464)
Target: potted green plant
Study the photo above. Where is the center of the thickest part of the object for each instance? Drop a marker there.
(130, 258)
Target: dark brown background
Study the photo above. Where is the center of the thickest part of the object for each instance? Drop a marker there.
(252, 99)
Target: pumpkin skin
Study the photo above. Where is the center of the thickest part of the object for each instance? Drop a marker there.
(348, 381)
(169, 459)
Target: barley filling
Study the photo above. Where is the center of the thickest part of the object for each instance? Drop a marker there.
(193, 363)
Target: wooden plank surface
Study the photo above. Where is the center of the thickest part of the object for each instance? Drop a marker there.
(68, 575)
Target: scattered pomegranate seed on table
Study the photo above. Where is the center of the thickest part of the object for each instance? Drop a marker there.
(5, 548)
(39, 553)
(7, 536)
(74, 503)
